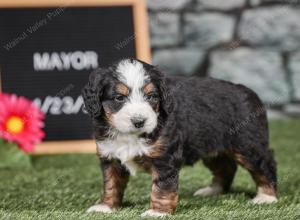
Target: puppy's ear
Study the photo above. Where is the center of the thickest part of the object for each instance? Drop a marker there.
(167, 101)
(92, 92)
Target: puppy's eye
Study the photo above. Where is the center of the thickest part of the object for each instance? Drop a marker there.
(120, 98)
(152, 97)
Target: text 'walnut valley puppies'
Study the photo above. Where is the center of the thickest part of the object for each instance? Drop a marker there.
(145, 120)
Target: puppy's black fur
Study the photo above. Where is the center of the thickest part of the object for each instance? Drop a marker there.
(222, 123)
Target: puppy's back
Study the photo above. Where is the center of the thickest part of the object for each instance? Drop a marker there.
(216, 114)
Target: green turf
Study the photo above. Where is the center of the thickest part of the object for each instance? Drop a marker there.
(63, 187)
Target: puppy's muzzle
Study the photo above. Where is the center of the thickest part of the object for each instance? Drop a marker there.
(138, 122)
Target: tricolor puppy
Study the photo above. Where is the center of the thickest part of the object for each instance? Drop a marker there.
(144, 120)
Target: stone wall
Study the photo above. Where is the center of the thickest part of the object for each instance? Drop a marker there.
(253, 42)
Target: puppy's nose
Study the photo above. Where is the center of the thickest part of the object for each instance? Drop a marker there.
(138, 122)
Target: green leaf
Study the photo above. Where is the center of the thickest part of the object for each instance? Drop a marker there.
(11, 156)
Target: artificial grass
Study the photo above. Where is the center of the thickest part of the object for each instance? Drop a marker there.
(64, 186)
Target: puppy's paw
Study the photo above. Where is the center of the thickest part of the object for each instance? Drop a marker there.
(212, 190)
(100, 208)
(153, 213)
(264, 199)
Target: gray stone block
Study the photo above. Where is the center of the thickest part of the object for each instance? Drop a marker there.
(178, 61)
(220, 4)
(259, 70)
(164, 28)
(257, 2)
(276, 114)
(167, 4)
(292, 110)
(277, 27)
(294, 66)
(208, 29)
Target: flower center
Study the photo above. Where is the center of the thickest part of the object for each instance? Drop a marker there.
(15, 125)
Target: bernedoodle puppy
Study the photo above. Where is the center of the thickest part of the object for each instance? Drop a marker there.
(144, 120)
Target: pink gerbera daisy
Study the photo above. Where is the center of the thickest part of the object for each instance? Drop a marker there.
(20, 121)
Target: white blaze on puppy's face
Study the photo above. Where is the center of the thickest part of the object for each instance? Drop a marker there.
(133, 75)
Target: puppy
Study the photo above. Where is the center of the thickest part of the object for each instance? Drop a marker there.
(145, 120)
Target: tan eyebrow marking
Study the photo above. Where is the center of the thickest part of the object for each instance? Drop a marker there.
(122, 89)
(148, 88)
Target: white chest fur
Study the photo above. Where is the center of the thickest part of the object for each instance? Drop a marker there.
(125, 148)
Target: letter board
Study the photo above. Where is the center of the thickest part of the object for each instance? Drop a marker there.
(48, 49)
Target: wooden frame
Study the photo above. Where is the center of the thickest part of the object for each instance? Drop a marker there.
(142, 45)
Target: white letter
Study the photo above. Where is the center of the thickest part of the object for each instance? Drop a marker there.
(37, 102)
(68, 105)
(40, 62)
(55, 108)
(92, 59)
(78, 104)
(55, 62)
(45, 107)
(66, 60)
(78, 60)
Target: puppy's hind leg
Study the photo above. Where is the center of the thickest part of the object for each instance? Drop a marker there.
(223, 169)
(262, 168)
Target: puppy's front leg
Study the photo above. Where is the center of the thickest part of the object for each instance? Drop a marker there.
(115, 178)
(164, 197)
